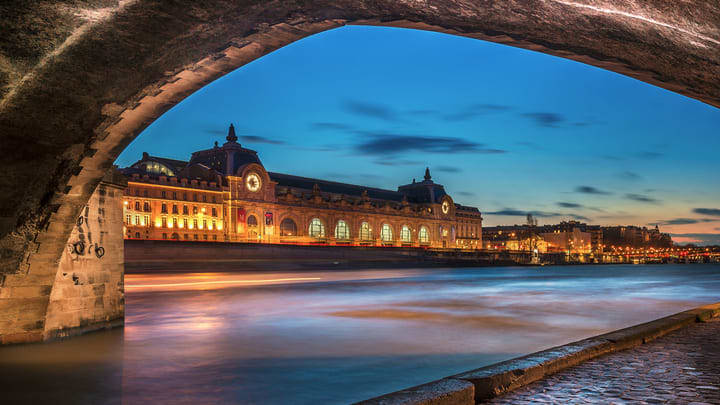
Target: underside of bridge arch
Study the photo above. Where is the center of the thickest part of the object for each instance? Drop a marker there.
(80, 79)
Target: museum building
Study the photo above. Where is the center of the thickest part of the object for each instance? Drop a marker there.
(225, 194)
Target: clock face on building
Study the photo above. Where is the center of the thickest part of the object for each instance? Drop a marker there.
(252, 182)
(445, 207)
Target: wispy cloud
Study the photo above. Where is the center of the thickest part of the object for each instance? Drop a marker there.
(372, 110)
(649, 155)
(545, 119)
(569, 205)
(683, 221)
(448, 169)
(591, 190)
(398, 162)
(540, 214)
(330, 126)
(641, 198)
(388, 144)
(466, 193)
(707, 211)
(474, 111)
(697, 238)
(260, 139)
(628, 175)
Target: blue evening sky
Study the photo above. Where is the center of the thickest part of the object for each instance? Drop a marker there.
(504, 129)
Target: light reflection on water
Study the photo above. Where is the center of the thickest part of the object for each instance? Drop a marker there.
(338, 336)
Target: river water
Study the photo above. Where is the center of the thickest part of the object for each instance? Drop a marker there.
(326, 337)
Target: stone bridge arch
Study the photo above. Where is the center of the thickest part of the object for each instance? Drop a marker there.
(80, 80)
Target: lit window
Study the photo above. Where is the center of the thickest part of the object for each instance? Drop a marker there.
(175, 222)
(194, 224)
(164, 222)
(386, 233)
(195, 210)
(204, 225)
(213, 225)
(365, 231)
(146, 220)
(128, 219)
(405, 234)
(137, 220)
(185, 224)
(342, 231)
(423, 235)
(316, 228)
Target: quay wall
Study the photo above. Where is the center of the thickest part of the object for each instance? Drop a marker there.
(172, 256)
(479, 385)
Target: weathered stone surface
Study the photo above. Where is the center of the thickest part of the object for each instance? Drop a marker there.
(663, 372)
(81, 292)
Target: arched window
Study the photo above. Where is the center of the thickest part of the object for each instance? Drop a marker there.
(342, 231)
(251, 220)
(316, 229)
(288, 227)
(365, 231)
(424, 235)
(405, 234)
(386, 233)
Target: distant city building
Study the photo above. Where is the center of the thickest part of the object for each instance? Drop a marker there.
(636, 237)
(225, 194)
(574, 237)
(570, 241)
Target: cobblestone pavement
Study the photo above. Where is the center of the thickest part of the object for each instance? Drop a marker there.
(682, 367)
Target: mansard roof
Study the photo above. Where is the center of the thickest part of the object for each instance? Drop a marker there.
(306, 183)
(174, 164)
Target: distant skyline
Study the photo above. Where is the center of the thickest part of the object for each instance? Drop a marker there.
(507, 130)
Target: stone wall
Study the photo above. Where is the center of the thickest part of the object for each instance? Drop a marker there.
(82, 291)
(88, 289)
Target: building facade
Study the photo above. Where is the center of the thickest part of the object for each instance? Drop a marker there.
(226, 194)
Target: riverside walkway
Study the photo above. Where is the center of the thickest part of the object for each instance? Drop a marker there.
(682, 367)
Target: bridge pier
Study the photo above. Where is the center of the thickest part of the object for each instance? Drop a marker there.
(81, 292)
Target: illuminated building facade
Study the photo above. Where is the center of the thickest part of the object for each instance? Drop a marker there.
(225, 194)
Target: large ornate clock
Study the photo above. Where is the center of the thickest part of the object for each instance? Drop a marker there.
(445, 207)
(253, 182)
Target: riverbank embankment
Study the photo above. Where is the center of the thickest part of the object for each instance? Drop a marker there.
(492, 381)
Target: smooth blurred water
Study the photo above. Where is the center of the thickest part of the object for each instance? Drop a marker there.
(330, 337)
